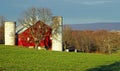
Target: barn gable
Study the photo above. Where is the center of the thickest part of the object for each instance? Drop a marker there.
(25, 38)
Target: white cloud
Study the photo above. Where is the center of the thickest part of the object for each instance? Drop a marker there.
(95, 2)
(89, 2)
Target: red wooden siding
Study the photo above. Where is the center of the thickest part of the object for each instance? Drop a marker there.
(25, 38)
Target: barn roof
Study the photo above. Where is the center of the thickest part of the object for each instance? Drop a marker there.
(21, 28)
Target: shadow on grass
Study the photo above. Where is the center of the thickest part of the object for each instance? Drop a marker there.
(2, 69)
(112, 67)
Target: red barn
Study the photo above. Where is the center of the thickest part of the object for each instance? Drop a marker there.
(24, 37)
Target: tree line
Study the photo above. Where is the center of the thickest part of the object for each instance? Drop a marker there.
(99, 41)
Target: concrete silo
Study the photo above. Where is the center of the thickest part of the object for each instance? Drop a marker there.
(10, 33)
(57, 33)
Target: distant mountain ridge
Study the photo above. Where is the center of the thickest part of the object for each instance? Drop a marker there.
(96, 26)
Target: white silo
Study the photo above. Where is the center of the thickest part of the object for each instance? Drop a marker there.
(10, 33)
(57, 33)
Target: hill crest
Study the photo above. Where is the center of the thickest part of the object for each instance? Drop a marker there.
(96, 26)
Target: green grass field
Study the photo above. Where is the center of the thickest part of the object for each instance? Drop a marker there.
(13, 58)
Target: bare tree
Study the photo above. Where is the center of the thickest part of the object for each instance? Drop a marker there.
(30, 17)
(67, 37)
(2, 20)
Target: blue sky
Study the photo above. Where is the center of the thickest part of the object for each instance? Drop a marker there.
(73, 11)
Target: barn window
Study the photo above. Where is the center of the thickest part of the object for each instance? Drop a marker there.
(50, 37)
(28, 38)
(46, 30)
(39, 26)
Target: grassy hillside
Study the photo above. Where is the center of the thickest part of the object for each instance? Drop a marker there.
(13, 58)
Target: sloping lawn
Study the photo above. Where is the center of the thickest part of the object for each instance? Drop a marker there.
(14, 58)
